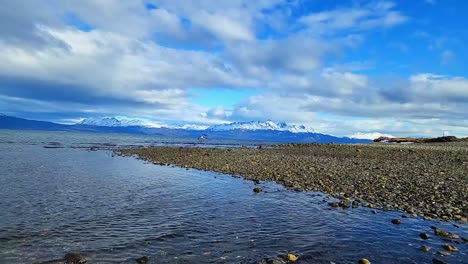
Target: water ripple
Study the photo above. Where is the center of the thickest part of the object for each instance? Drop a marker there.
(116, 209)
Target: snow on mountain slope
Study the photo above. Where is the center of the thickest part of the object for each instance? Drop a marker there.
(117, 122)
(120, 121)
(257, 125)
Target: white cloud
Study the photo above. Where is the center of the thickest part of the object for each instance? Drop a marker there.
(367, 17)
(371, 135)
(142, 62)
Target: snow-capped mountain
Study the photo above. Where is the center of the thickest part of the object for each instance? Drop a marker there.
(190, 127)
(258, 125)
(119, 121)
(114, 122)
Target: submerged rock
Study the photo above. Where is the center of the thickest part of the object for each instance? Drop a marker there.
(74, 258)
(257, 190)
(425, 248)
(438, 261)
(443, 253)
(142, 260)
(396, 221)
(271, 261)
(424, 236)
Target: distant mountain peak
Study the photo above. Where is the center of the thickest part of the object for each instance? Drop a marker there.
(118, 121)
(112, 122)
(259, 125)
(121, 121)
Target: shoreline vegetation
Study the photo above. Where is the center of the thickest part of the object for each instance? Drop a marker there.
(429, 180)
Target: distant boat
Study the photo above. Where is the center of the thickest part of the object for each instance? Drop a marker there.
(203, 138)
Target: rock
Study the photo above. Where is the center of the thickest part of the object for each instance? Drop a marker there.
(74, 258)
(271, 261)
(292, 257)
(443, 233)
(396, 221)
(257, 190)
(345, 203)
(334, 204)
(364, 261)
(438, 261)
(256, 181)
(424, 236)
(443, 253)
(142, 260)
(450, 248)
(374, 211)
(425, 248)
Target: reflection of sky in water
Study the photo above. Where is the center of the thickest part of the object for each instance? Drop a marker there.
(115, 209)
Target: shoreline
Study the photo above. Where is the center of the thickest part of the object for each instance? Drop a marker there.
(426, 180)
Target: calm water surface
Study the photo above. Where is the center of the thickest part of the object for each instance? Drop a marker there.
(114, 209)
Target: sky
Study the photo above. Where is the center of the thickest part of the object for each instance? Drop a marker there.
(341, 67)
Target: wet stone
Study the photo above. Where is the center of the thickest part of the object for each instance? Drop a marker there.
(74, 258)
(424, 236)
(364, 261)
(450, 248)
(257, 190)
(425, 248)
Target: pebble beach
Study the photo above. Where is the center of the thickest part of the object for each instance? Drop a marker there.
(423, 180)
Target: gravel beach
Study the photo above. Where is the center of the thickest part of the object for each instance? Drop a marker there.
(427, 180)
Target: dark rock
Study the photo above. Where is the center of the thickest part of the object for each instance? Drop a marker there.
(334, 204)
(438, 261)
(142, 260)
(257, 190)
(424, 236)
(74, 258)
(396, 221)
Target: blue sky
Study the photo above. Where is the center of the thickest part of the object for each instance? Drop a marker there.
(340, 67)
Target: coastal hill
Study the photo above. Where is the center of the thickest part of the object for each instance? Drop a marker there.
(242, 131)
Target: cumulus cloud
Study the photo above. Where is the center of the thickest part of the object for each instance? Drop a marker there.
(371, 135)
(121, 57)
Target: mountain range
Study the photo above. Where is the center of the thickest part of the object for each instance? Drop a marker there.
(251, 125)
(267, 131)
